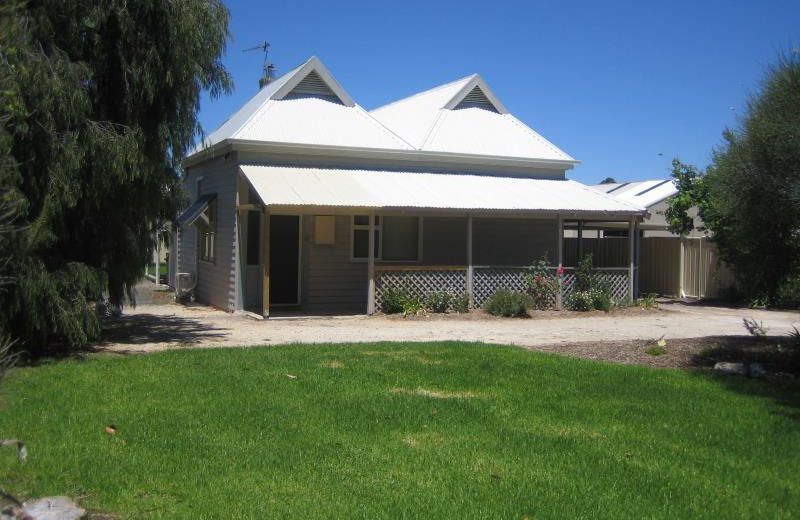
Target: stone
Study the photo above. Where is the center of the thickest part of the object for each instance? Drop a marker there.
(53, 508)
(757, 370)
(738, 369)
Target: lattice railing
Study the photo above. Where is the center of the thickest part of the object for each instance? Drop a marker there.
(420, 282)
(617, 280)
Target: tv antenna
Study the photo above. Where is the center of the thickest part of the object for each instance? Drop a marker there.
(268, 73)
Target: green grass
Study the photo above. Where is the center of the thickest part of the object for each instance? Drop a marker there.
(397, 431)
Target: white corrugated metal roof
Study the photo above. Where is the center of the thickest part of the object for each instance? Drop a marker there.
(275, 114)
(429, 121)
(295, 186)
(641, 193)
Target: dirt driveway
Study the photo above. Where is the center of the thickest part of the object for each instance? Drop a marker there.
(160, 326)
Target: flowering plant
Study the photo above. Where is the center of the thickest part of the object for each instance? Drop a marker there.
(541, 286)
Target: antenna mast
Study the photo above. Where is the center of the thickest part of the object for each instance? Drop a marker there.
(268, 73)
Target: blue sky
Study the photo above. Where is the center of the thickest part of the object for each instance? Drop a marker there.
(622, 86)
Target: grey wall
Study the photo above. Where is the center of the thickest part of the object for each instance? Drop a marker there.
(215, 280)
(331, 281)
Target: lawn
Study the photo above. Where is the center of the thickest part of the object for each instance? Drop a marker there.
(398, 430)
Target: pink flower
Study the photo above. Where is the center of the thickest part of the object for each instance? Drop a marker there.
(560, 270)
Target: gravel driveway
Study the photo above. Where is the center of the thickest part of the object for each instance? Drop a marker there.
(159, 326)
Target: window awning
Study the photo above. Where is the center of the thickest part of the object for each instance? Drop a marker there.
(378, 189)
(193, 212)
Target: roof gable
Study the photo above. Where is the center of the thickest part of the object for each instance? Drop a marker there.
(465, 117)
(476, 93)
(306, 106)
(313, 78)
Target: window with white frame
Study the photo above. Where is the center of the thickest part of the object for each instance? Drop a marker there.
(207, 230)
(360, 237)
(397, 238)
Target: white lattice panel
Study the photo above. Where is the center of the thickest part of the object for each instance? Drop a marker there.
(421, 282)
(617, 280)
(489, 279)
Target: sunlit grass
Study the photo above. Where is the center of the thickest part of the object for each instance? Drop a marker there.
(396, 430)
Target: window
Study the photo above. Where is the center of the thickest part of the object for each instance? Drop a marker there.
(207, 228)
(324, 230)
(396, 238)
(360, 238)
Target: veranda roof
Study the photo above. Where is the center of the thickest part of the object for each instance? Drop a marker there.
(380, 189)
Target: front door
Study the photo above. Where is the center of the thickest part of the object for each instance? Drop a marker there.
(284, 260)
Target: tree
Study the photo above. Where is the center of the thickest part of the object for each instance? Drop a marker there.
(749, 197)
(99, 103)
(608, 180)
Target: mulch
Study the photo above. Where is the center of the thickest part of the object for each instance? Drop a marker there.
(479, 315)
(701, 352)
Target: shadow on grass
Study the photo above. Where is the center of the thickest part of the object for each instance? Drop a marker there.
(154, 328)
(782, 385)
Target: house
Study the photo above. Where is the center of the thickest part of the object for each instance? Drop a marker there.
(669, 264)
(303, 200)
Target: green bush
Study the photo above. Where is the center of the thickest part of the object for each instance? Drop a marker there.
(412, 306)
(438, 301)
(590, 292)
(579, 301)
(788, 294)
(648, 301)
(541, 285)
(393, 300)
(508, 303)
(601, 298)
(461, 304)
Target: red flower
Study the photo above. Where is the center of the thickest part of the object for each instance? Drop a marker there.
(560, 270)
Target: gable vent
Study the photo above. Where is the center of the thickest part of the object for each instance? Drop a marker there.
(314, 85)
(476, 99)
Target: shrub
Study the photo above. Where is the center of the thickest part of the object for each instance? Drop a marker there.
(392, 301)
(584, 277)
(788, 294)
(601, 298)
(508, 303)
(541, 285)
(579, 301)
(590, 291)
(438, 301)
(461, 304)
(413, 306)
(648, 302)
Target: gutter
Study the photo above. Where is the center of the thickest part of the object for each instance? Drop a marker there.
(246, 145)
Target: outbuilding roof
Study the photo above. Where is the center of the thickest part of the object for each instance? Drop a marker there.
(641, 193)
(381, 189)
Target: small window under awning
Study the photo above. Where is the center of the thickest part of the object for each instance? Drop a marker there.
(193, 212)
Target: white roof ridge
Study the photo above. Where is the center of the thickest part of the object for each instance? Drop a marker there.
(365, 114)
(437, 122)
(428, 91)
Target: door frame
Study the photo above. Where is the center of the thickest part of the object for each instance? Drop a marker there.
(299, 258)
